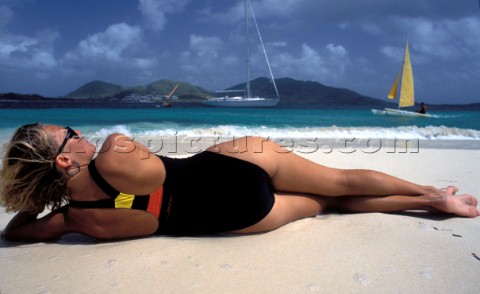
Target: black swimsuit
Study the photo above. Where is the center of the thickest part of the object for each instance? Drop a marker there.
(210, 193)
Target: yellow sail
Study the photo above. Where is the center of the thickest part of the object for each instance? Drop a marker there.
(406, 90)
(393, 91)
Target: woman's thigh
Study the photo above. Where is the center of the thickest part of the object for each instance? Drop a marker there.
(288, 208)
(257, 150)
(288, 171)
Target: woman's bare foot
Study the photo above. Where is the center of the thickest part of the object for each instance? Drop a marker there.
(462, 205)
(450, 190)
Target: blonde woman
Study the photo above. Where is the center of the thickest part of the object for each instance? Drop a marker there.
(125, 191)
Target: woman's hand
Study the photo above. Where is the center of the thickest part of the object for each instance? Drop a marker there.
(25, 226)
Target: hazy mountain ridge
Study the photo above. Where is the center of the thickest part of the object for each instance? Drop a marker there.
(292, 92)
(98, 89)
(297, 93)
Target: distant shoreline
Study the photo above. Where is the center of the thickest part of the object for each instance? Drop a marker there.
(99, 103)
(86, 103)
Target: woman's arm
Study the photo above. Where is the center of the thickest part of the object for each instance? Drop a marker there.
(105, 224)
(27, 227)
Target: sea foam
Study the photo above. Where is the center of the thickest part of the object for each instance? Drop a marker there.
(333, 132)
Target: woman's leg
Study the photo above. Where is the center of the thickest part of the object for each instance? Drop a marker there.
(292, 173)
(290, 207)
(295, 173)
(443, 201)
(311, 186)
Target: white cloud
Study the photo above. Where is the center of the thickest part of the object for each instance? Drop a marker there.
(392, 52)
(23, 52)
(278, 44)
(153, 14)
(15, 44)
(467, 30)
(206, 63)
(20, 52)
(118, 54)
(203, 54)
(431, 37)
(154, 11)
(206, 46)
(338, 51)
(311, 61)
(42, 59)
(326, 65)
(111, 43)
(117, 46)
(445, 39)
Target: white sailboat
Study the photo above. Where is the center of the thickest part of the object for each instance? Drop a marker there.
(247, 100)
(407, 96)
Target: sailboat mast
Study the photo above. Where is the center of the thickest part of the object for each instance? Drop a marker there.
(248, 94)
(263, 48)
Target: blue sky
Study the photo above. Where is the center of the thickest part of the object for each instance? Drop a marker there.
(52, 47)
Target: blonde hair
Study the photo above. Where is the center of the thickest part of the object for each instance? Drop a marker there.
(28, 181)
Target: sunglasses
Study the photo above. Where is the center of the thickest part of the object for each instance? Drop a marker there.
(70, 134)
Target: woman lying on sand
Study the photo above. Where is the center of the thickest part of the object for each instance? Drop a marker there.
(125, 191)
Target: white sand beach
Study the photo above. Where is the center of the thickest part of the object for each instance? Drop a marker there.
(333, 253)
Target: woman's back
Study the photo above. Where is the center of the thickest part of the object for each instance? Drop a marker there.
(134, 172)
(128, 166)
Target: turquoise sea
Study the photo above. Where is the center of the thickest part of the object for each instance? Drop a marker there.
(273, 123)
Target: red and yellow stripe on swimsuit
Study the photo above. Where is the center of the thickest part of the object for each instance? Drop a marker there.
(154, 202)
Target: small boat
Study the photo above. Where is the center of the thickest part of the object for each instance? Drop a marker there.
(407, 96)
(247, 100)
(167, 102)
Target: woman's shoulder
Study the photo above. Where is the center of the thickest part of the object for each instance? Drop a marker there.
(123, 160)
(118, 146)
(115, 142)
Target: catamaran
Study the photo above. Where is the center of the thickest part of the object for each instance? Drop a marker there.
(407, 96)
(247, 100)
